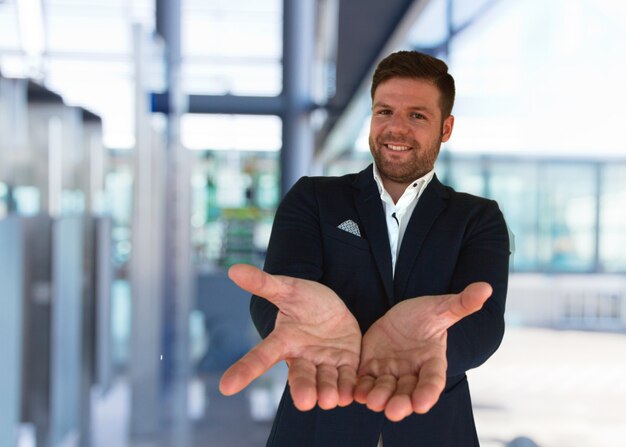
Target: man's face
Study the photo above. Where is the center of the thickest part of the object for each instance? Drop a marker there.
(406, 129)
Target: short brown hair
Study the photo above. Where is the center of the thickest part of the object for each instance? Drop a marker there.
(416, 65)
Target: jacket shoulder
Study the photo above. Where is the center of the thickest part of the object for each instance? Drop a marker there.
(464, 199)
(326, 185)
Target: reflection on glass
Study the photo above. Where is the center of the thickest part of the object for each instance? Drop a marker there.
(234, 197)
(466, 175)
(567, 217)
(559, 219)
(613, 219)
(119, 184)
(515, 187)
(27, 200)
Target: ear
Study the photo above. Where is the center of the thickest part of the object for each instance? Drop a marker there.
(446, 128)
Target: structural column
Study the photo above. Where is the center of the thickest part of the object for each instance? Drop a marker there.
(145, 358)
(298, 54)
(177, 266)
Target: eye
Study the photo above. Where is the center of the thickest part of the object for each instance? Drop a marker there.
(383, 112)
(417, 116)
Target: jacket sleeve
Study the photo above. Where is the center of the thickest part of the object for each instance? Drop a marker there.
(294, 249)
(484, 256)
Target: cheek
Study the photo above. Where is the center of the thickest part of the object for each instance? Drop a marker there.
(374, 130)
(428, 139)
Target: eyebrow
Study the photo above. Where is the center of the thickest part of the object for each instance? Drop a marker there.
(416, 108)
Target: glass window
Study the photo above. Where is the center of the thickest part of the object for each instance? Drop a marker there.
(73, 33)
(567, 217)
(228, 132)
(515, 186)
(516, 73)
(104, 88)
(27, 200)
(219, 76)
(431, 27)
(613, 219)
(119, 203)
(9, 31)
(234, 195)
(550, 209)
(88, 57)
(218, 57)
(464, 11)
(466, 175)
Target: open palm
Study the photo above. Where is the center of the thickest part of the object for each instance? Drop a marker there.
(314, 332)
(403, 354)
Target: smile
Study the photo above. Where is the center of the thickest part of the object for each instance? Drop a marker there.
(397, 148)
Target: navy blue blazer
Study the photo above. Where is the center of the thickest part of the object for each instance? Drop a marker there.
(452, 240)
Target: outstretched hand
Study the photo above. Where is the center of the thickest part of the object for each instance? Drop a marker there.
(403, 354)
(400, 361)
(314, 332)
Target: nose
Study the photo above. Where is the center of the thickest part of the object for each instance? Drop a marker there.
(398, 124)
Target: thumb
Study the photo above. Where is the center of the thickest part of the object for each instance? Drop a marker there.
(254, 280)
(247, 276)
(471, 299)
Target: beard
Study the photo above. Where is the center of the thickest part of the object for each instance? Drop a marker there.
(422, 159)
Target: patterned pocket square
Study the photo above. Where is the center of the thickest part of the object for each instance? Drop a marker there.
(350, 226)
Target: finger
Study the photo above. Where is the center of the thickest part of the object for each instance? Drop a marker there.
(400, 405)
(363, 388)
(257, 282)
(430, 385)
(346, 383)
(302, 382)
(258, 360)
(327, 392)
(383, 389)
(470, 300)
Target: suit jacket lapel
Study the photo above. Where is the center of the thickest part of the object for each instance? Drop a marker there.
(432, 202)
(372, 217)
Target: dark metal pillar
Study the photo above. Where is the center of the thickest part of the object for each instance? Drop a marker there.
(168, 26)
(177, 268)
(298, 53)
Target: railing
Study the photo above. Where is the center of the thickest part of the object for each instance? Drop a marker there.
(583, 302)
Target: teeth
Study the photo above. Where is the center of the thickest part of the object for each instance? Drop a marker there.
(393, 147)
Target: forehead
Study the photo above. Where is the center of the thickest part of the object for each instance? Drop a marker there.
(407, 91)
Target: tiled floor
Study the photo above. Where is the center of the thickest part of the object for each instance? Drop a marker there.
(558, 388)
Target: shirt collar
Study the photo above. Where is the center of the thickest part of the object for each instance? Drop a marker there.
(413, 191)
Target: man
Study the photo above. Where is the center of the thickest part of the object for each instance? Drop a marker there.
(381, 288)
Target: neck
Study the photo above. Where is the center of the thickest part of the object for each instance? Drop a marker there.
(394, 189)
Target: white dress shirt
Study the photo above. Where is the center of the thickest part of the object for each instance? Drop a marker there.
(398, 214)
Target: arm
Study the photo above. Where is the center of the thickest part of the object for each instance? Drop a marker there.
(295, 248)
(483, 257)
(407, 354)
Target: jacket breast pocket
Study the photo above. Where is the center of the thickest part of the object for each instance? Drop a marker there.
(341, 237)
(345, 254)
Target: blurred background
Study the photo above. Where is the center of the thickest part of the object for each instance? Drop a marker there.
(145, 145)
